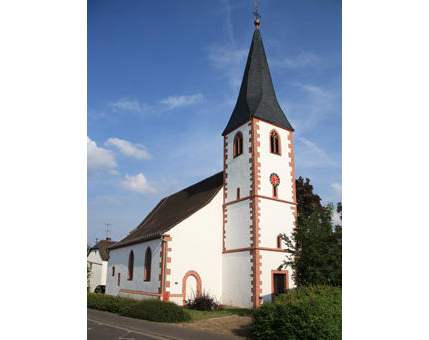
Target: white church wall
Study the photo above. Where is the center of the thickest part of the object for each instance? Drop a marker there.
(275, 163)
(119, 259)
(197, 245)
(236, 280)
(275, 218)
(238, 168)
(237, 227)
(271, 261)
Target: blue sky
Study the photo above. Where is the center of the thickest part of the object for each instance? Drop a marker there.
(163, 78)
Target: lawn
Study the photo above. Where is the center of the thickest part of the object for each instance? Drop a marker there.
(197, 315)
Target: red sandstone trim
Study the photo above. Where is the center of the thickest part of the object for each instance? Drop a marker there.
(237, 151)
(286, 272)
(259, 196)
(292, 165)
(176, 295)
(236, 201)
(164, 284)
(225, 175)
(279, 241)
(279, 142)
(258, 248)
(138, 292)
(197, 277)
(162, 267)
(255, 213)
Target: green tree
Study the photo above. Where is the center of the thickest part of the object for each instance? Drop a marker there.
(314, 248)
(305, 197)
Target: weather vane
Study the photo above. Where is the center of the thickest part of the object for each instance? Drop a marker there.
(257, 15)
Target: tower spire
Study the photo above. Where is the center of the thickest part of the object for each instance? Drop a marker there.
(257, 97)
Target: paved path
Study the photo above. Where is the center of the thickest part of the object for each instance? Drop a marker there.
(109, 326)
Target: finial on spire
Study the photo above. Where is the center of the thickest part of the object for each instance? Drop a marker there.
(257, 16)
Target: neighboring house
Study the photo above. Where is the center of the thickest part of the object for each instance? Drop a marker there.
(97, 260)
(221, 235)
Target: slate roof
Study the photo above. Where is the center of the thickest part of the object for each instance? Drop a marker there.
(102, 246)
(257, 97)
(174, 209)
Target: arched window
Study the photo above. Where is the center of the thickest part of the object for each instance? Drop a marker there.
(238, 144)
(275, 143)
(113, 271)
(279, 241)
(119, 279)
(131, 265)
(147, 264)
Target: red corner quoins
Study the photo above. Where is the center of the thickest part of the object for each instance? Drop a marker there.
(225, 194)
(255, 214)
(163, 276)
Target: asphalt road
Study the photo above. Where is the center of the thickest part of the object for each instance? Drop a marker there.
(108, 326)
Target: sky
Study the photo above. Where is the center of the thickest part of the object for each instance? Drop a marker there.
(163, 79)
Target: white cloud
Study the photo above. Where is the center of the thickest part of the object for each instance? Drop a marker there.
(139, 184)
(129, 149)
(230, 61)
(99, 159)
(309, 155)
(312, 105)
(337, 187)
(107, 200)
(303, 59)
(173, 102)
(130, 105)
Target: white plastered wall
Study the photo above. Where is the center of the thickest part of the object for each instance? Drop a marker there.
(119, 259)
(197, 245)
(271, 261)
(238, 168)
(275, 218)
(274, 163)
(236, 281)
(237, 226)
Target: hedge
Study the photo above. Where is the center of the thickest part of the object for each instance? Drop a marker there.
(303, 313)
(150, 309)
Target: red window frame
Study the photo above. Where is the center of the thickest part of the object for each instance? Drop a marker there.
(275, 143)
(238, 144)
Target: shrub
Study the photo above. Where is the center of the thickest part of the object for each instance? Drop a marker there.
(204, 302)
(303, 313)
(155, 310)
(151, 309)
(108, 303)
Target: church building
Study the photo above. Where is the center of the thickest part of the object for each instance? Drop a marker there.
(222, 234)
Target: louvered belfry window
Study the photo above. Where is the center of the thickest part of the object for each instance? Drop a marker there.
(275, 142)
(238, 144)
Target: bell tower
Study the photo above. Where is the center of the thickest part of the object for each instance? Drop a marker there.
(259, 200)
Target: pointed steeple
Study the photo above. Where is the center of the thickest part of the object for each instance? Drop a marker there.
(257, 97)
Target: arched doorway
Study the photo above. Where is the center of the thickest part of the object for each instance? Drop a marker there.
(191, 285)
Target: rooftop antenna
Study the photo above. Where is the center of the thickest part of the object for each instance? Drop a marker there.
(257, 15)
(96, 240)
(107, 229)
